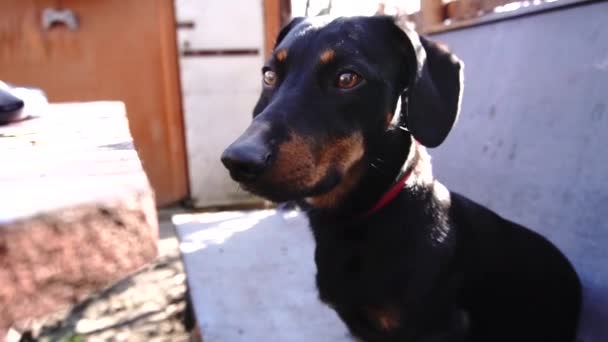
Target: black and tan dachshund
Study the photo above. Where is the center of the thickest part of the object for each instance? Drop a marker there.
(347, 108)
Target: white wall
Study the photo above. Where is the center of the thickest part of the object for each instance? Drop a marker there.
(219, 92)
(531, 142)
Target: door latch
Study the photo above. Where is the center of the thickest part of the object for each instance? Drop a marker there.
(51, 16)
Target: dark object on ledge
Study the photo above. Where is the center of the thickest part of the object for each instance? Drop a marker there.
(19, 103)
(11, 107)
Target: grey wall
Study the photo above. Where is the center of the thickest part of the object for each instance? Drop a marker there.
(532, 139)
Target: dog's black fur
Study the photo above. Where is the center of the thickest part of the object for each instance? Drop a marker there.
(430, 266)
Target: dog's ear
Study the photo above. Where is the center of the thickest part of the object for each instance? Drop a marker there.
(433, 92)
(285, 30)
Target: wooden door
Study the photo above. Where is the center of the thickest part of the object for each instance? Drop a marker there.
(122, 50)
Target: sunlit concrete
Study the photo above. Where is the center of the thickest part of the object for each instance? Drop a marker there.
(251, 277)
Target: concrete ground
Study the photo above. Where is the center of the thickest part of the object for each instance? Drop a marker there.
(251, 276)
(147, 306)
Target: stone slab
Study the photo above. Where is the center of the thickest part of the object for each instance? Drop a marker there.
(76, 210)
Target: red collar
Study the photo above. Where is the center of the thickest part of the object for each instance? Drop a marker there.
(389, 195)
(394, 190)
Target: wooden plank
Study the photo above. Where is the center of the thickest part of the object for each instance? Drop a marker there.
(76, 209)
(467, 9)
(176, 157)
(432, 12)
(277, 13)
(462, 9)
(490, 18)
(272, 24)
(122, 50)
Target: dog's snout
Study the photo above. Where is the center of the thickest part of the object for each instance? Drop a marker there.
(246, 162)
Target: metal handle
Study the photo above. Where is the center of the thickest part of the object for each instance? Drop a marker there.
(51, 16)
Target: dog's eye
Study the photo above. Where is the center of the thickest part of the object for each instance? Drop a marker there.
(270, 78)
(348, 80)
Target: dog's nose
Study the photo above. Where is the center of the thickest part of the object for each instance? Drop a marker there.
(246, 162)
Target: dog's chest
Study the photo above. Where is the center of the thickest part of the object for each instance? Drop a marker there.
(355, 268)
(368, 280)
(379, 266)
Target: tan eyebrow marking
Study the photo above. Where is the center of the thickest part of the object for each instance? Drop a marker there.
(281, 55)
(327, 56)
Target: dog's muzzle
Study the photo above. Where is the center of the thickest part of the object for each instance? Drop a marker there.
(249, 156)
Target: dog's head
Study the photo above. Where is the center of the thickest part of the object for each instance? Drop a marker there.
(329, 95)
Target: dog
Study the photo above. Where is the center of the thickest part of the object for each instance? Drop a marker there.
(347, 110)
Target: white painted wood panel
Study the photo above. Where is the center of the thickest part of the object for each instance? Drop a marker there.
(221, 24)
(219, 92)
(219, 95)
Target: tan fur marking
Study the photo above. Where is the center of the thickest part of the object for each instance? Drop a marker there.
(281, 55)
(388, 119)
(296, 167)
(327, 56)
(386, 320)
(293, 164)
(331, 198)
(344, 154)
